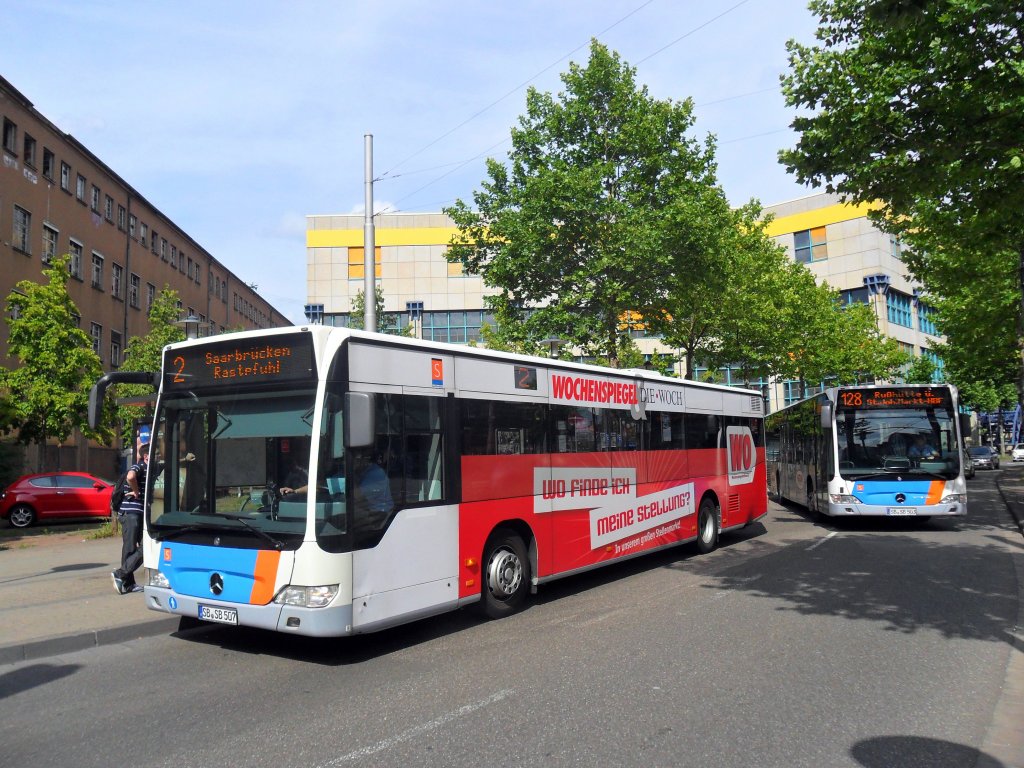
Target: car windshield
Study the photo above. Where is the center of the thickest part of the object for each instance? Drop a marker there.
(908, 441)
(236, 466)
(981, 450)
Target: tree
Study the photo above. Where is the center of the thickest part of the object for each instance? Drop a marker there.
(145, 353)
(49, 390)
(919, 104)
(573, 232)
(387, 322)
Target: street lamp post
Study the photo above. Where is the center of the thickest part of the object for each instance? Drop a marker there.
(192, 325)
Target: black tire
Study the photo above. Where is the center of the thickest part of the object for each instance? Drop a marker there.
(707, 526)
(22, 516)
(505, 574)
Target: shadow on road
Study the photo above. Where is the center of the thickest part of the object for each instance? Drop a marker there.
(909, 751)
(33, 676)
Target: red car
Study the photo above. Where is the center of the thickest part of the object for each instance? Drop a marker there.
(53, 496)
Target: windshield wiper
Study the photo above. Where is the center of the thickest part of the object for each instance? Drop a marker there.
(259, 532)
(168, 535)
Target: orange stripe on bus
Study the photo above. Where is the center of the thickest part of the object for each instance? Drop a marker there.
(264, 577)
(935, 492)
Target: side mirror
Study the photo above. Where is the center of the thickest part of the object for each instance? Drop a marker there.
(359, 420)
(826, 416)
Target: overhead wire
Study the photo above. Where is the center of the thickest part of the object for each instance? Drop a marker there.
(388, 175)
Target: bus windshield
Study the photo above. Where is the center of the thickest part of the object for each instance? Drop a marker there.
(238, 465)
(903, 441)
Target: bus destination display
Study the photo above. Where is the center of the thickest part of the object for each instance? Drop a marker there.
(229, 363)
(895, 397)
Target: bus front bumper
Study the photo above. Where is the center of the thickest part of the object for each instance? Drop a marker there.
(329, 621)
(948, 509)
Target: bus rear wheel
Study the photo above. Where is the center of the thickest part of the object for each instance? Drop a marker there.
(506, 575)
(707, 526)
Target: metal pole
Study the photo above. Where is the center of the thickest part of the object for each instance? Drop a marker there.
(369, 260)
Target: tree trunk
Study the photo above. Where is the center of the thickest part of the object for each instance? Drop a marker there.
(1020, 333)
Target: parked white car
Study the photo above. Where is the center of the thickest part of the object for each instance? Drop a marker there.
(1017, 454)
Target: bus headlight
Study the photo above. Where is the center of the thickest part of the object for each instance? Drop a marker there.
(954, 498)
(307, 597)
(155, 578)
(842, 498)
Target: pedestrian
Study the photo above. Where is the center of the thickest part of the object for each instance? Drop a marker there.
(130, 516)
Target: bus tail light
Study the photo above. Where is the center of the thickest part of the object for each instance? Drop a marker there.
(307, 597)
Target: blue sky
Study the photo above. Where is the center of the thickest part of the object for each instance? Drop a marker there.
(239, 119)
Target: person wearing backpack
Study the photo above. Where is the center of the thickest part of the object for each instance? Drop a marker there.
(130, 515)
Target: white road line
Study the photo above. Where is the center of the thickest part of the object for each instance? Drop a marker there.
(819, 542)
(414, 732)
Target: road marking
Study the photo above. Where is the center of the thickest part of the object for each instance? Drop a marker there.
(428, 726)
(819, 542)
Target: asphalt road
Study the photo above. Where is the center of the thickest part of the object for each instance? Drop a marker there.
(873, 643)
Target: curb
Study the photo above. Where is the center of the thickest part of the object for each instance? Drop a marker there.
(54, 646)
(1016, 508)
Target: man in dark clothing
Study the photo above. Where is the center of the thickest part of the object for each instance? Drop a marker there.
(130, 516)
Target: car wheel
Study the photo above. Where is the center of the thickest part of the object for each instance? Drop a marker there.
(506, 576)
(22, 516)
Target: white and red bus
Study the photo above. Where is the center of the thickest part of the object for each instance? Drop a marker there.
(323, 481)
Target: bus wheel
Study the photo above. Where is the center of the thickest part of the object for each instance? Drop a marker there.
(707, 526)
(506, 574)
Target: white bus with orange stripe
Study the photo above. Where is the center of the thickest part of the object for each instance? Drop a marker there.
(880, 450)
(323, 481)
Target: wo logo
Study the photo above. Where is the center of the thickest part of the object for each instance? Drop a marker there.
(741, 455)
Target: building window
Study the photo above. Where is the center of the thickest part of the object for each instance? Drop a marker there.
(96, 331)
(926, 319)
(198, 277)
(95, 199)
(30, 151)
(854, 296)
(10, 137)
(150, 296)
(134, 281)
(97, 271)
(143, 233)
(810, 245)
(356, 268)
(50, 236)
(108, 209)
(174, 257)
(49, 163)
(65, 177)
(22, 230)
(131, 225)
(116, 279)
(940, 366)
(163, 248)
(122, 214)
(181, 262)
(80, 188)
(75, 265)
(457, 327)
(898, 307)
(115, 349)
(154, 243)
(895, 247)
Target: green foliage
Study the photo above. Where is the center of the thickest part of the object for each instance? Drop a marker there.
(145, 353)
(919, 104)
(573, 230)
(49, 390)
(387, 322)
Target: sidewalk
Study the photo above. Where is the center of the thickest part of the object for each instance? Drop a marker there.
(56, 597)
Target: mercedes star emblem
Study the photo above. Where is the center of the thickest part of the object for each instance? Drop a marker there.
(216, 583)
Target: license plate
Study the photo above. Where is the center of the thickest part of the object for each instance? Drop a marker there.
(901, 511)
(219, 615)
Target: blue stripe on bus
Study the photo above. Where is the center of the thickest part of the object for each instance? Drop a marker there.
(187, 568)
(880, 492)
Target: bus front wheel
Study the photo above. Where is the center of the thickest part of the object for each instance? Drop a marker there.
(707, 526)
(506, 576)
